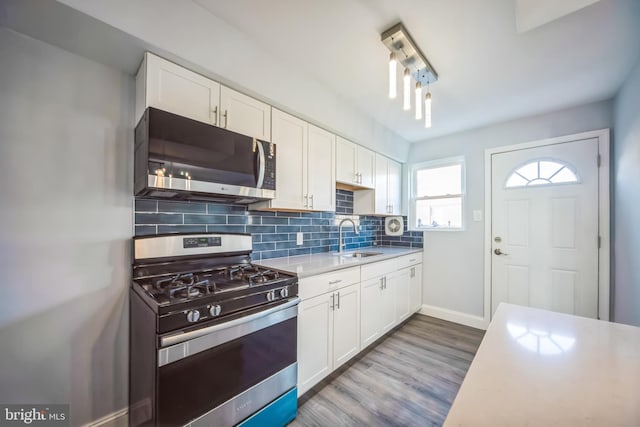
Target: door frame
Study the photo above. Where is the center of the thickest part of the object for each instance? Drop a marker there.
(604, 224)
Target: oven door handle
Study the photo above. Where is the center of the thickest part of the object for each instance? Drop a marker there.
(187, 336)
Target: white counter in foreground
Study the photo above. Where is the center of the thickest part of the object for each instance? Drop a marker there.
(540, 368)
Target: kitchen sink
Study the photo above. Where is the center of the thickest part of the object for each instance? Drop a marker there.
(358, 254)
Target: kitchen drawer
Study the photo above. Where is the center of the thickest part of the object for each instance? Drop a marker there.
(377, 269)
(309, 287)
(408, 260)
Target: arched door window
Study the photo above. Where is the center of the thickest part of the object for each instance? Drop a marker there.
(542, 172)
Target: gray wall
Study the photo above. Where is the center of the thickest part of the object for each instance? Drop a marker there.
(446, 284)
(66, 223)
(626, 183)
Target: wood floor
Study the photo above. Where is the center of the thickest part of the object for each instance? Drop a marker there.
(408, 378)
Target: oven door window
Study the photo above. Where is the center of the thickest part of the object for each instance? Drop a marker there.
(193, 386)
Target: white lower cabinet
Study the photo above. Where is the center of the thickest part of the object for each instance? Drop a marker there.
(315, 341)
(378, 309)
(328, 334)
(399, 283)
(415, 288)
(339, 314)
(346, 324)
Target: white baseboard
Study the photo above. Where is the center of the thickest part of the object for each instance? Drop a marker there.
(454, 316)
(115, 419)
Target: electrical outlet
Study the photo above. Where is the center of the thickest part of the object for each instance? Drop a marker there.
(299, 238)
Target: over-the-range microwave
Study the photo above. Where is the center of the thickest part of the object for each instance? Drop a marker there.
(180, 158)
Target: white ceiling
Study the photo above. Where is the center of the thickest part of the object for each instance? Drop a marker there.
(323, 60)
(489, 72)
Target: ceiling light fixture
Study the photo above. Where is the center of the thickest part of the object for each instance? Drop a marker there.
(418, 100)
(407, 89)
(393, 65)
(427, 108)
(405, 51)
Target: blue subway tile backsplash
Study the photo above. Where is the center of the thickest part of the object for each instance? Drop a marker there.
(273, 233)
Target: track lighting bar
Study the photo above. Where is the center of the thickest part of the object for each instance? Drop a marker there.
(407, 53)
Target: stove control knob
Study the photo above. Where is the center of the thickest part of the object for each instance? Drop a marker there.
(271, 295)
(193, 316)
(215, 310)
(284, 292)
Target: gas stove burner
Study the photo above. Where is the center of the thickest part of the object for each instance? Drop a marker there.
(184, 286)
(250, 274)
(186, 292)
(262, 277)
(179, 280)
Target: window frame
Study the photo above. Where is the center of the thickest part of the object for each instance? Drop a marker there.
(434, 164)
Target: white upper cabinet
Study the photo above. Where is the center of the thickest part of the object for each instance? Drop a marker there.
(290, 134)
(366, 161)
(386, 198)
(354, 164)
(382, 186)
(321, 189)
(394, 187)
(345, 161)
(305, 168)
(170, 87)
(243, 114)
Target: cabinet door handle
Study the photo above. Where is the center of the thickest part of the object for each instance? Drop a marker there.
(225, 118)
(333, 282)
(311, 199)
(215, 116)
(332, 301)
(356, 177)
(338, 300)
(385, 282)
(413, 272)
(306, 200)
(381, 283)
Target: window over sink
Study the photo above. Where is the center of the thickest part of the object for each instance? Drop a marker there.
(437, 190)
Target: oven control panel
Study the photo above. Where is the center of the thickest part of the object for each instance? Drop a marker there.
(201, 242)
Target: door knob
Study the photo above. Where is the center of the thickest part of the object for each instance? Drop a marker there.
(499, 252)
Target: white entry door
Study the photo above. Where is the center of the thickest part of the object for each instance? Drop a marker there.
(544, 227)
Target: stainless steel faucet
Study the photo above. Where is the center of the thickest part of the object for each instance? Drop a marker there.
(355, 230)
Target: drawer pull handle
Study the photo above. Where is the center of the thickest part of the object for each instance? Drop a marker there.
(412, 260)
(333, 282)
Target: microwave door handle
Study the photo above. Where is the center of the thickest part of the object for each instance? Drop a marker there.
(261, 163)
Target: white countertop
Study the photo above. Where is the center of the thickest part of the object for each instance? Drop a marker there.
(309, 265)
(540, 368)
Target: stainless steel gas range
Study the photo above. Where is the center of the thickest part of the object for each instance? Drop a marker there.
(213, 337)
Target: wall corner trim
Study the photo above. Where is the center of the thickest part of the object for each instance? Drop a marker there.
(454, 316)
(115, 419)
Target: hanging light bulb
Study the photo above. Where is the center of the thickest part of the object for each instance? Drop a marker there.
(418, 103)
(407, 89)
(427, 108)
(392, 75)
